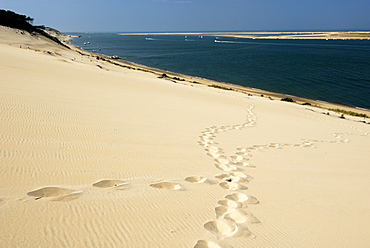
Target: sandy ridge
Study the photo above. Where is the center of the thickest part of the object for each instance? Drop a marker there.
(232, 219)
(333, 35)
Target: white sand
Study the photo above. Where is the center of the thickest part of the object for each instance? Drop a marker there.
(95, 155)
(341, 35)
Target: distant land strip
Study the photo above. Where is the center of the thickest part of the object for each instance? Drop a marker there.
(339, 35)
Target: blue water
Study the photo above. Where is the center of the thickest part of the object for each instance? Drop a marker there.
(336, 71)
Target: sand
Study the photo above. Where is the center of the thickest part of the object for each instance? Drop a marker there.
(99, 155)
(333, 35)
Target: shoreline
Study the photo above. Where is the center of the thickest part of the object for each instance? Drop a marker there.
(331, 35)
(194, 80)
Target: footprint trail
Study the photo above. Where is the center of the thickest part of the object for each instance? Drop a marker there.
(231, 217)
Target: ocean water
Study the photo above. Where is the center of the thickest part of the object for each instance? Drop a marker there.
(336, 71)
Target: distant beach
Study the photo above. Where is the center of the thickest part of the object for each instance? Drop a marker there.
(332, 35)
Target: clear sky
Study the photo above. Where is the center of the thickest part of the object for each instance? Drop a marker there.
(194, 15)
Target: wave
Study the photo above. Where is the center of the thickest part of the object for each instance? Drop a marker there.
(227, 41)
(362, 108)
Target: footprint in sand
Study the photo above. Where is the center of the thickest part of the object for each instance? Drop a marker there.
(200, 179)
(196, 179)
(109, 183)
(240, 216)
(221, 211)
(232, 219)
(216, 155)
(230, 204)
(242, 151)
(233, 186)
(234, 177)
(167, 185)
(221, 228)
(236, 215)
(222, 161)
(206, 244)
(61, 194)
(238, 158)
(243, 198)
(244, 164)
(226, 167)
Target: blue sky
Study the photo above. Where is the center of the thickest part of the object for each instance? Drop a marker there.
(194, 15)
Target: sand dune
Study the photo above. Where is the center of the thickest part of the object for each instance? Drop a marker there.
(97, 155)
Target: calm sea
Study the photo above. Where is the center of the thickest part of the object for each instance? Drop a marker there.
(336, 71)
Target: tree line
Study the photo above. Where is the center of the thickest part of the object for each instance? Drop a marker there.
(13, 20)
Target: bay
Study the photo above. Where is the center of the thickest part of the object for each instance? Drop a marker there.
(336, 71)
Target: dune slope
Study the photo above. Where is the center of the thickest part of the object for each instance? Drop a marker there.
(95, 155)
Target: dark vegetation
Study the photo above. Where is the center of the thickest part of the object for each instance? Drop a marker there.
(349, 113)
(287, 99)
(179, 79)
(164, 75)
(13, 20)
(219, 87)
